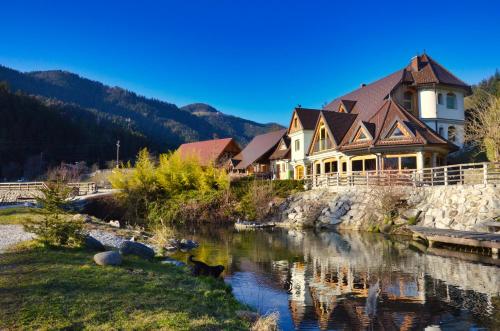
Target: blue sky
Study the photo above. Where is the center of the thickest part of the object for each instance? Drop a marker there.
(255, 59)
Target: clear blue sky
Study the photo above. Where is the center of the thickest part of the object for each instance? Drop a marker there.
(255, 59)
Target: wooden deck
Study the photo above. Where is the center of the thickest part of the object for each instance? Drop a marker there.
(462, 238)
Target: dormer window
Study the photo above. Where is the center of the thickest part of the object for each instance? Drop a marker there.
(408, 100)
(451, 101)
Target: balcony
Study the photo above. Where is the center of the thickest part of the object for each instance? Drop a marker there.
(322, 145)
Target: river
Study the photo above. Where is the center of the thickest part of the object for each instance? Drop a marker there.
(351, 281)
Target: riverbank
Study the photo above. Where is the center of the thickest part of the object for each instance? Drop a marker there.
(64, 289)
(377, 208)
(45, 288)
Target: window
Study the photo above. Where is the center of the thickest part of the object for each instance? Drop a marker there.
(409, 162)
(408, 100)
(396, 133)
(441, 131)
(357, 165)
(295, 123)
(451, 101)
(297, 145)
(318, 168)
(370, 164)
(391, 163)
(328, 168)
(452, 133)
(440, 98)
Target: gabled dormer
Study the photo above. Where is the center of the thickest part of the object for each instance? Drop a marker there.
(331, 128)
(346, 106)
(300, 131)
(364, 133)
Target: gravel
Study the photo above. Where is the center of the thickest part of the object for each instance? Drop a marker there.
(11, 235)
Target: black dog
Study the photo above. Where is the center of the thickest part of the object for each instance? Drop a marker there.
(203, 269)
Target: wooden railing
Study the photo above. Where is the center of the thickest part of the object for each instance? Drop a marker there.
(460, 174)
(79, 189)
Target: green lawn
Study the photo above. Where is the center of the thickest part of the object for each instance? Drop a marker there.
(19, 215)
(63, 289)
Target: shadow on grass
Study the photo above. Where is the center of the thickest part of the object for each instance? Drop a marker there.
(63, 288)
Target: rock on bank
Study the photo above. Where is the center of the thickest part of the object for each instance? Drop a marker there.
(458, 207)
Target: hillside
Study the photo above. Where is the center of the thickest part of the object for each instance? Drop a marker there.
(233, 126)
(163, 124)
(35, 134)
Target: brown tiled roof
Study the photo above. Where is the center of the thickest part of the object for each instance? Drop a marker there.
(382, 122)
(281, 154)
(369, 98)
(209, 151)
(307, 117)
(425, 70)
(259, 148)
(338, 123)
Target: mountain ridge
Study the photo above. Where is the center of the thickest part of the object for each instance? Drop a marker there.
(164, 124)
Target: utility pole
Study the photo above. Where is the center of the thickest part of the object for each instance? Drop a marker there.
(118, 154)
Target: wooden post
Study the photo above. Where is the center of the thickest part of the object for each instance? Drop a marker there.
(445, 174)
(485, 173)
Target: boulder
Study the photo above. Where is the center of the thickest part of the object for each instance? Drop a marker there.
(188, 244)
(115, 224)
(94, 244)
(108, 258)
(138, 249)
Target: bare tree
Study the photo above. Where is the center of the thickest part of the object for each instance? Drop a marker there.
(482, 125)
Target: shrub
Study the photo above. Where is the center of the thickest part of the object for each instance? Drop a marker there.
(54, 228)
(174, 190)
(255, 203)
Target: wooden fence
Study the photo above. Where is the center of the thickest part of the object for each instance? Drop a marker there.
(460, 174)
(79, 189)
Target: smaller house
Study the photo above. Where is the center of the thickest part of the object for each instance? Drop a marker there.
(218, 152)
(255, 157)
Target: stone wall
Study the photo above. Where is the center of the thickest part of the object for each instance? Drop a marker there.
(458, 207)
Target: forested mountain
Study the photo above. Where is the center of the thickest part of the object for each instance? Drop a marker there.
(162, 123)
(35, 134)
(64, 104)
(233, 126)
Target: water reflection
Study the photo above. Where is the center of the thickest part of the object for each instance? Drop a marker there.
(352, 281)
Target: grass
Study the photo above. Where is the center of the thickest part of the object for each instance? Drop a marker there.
(19, 215)
(63, 289)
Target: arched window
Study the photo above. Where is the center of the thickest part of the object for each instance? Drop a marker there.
(451, 101)
(408, 100)
(440, 98)
(452, 133)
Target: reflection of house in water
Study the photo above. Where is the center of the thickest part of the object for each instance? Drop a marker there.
(332, 287)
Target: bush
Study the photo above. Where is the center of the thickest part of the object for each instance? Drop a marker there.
(174, 190)
(54, 228)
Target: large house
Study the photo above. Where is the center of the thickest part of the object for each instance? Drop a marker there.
(411, 119)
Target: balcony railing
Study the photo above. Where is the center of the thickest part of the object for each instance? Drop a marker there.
(460, 174)
(322, 145)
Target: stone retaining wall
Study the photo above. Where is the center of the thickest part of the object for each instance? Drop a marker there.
(458, 207)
